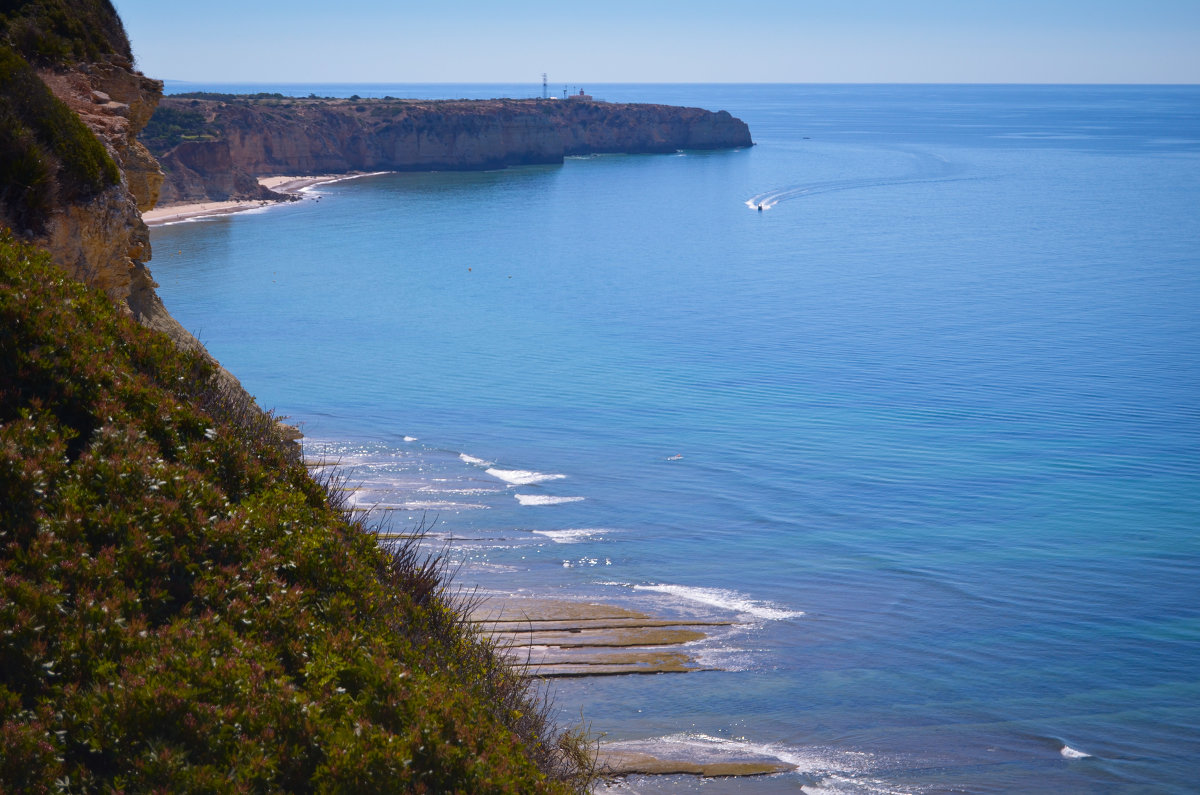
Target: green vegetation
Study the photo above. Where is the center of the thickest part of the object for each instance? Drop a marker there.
(63, 32)
(169, 126)
(46, 152)
(220, 97)
(184, 609)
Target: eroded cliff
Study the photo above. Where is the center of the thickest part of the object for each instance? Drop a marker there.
(213, 149)
(74, 178)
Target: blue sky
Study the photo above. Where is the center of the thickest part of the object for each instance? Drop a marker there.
(853, 41)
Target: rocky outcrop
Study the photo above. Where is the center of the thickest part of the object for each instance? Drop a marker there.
(600, 127)
(240, 139)
(205, 169)
(103, 241)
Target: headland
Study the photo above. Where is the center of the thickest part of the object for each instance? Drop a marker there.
(217, 147)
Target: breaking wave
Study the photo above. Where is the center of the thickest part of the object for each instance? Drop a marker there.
(521, 477)
(543, 499)
(724, 599)
(470, 459)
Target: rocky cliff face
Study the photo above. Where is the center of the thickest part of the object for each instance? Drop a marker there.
(599, 127)
(103, 241)
(74, 178)
(247, 138)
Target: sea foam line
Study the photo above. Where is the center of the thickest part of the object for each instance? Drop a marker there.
(470, 459)
(521, 477)
(544, 499)
(725, 599)
(840, 770)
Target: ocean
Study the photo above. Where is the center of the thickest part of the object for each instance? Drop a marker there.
(927, 427)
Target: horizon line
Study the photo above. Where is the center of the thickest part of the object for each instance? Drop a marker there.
(678, 82)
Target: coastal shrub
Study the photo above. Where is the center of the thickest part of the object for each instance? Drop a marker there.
(170, 125)
(63, 32)
(44, 147)
(224, 97)
(185, 609)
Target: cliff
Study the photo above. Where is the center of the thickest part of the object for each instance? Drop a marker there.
(184, 608)
(74, 177)
(214, 149)
(103, 241)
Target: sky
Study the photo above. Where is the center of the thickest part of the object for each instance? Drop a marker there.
(668, 41)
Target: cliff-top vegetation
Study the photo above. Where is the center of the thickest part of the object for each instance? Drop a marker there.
(183, 608)
(46, 153)
(58, 33)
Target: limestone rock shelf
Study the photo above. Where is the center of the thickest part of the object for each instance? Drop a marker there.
(619, 762)
(558, 638)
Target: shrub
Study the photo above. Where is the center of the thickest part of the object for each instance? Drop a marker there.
(44, 147)
(170, 125)
(184, 608)
(63, 32)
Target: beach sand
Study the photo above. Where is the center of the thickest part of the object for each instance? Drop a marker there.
(289, 185)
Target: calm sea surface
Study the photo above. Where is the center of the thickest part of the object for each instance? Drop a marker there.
(928, 426)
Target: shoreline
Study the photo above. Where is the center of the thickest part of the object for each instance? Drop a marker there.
(293, 187)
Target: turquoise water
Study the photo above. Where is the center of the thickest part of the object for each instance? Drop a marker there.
(927, 426)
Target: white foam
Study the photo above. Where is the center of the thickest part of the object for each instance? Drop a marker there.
(1071, 753)
(470, 459)
(543, 499)
(728, 600)
(704, 748)
(840, 771)
(765, 201)
(422, 505)
(521, 477)
(574, 536)
(847, 785)
(725, 658)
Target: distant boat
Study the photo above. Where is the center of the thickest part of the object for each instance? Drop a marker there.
(760, 208)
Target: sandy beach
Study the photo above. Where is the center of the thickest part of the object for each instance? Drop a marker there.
(289, 185)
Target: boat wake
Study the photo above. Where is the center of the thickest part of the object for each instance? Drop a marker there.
(929, 169)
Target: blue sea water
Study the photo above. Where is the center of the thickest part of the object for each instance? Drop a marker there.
(927, 427)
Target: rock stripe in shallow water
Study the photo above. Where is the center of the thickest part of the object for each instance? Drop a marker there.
(556, 637)
(628, 763)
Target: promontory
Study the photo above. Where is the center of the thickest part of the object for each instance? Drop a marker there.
(214, 146)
